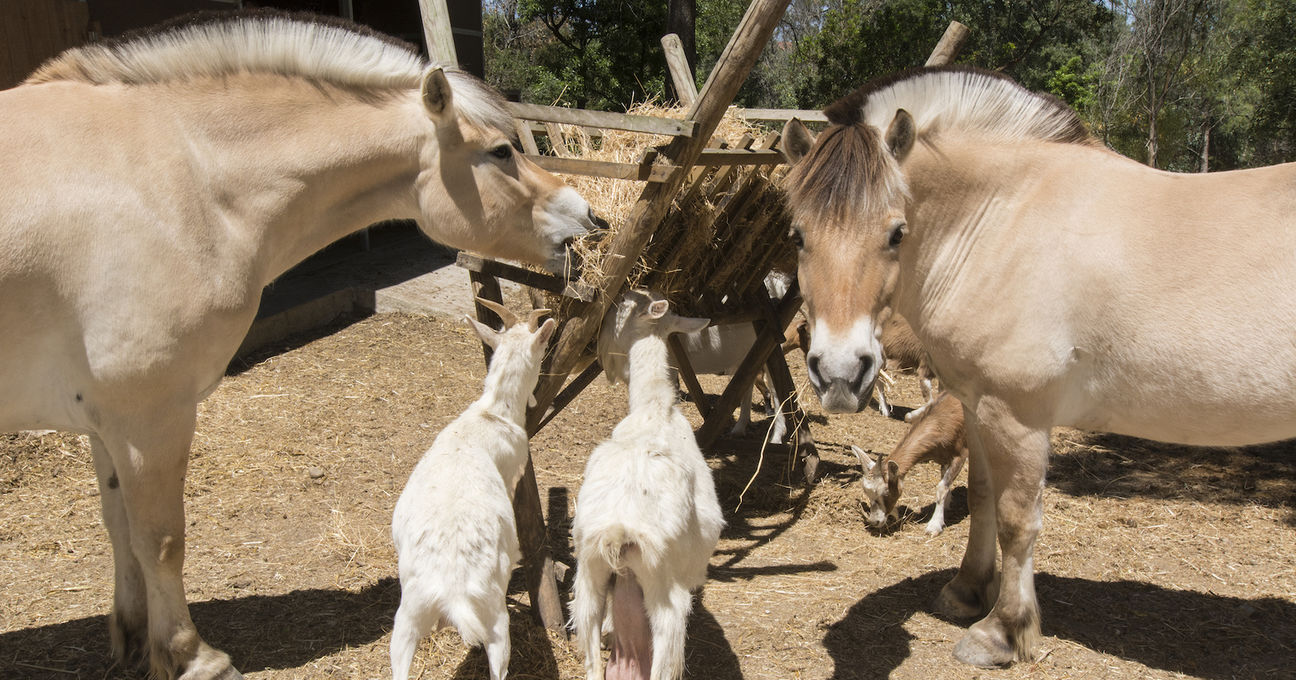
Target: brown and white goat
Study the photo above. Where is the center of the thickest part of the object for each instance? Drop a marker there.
(937, 437)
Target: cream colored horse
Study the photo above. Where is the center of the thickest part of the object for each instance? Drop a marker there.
(1053, 282)
(151, 188)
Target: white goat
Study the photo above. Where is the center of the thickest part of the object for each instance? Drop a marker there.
(455, 534)
(647, 518)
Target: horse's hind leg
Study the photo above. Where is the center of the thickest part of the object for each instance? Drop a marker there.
(128, 622)
(150, 456)
(1016, 457)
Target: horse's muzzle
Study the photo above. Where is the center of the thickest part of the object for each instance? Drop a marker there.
(843, 394)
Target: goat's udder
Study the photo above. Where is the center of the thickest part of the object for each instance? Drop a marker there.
(631, 656)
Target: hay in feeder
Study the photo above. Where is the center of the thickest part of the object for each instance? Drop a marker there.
(724, 231)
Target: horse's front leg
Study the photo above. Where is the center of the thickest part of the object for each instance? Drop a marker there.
(1016, 456)
(973, 589)
(149, 456)
(128, 622)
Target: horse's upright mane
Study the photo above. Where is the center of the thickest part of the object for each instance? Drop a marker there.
(961, 98)
(216, 44)
(301, 45)
(848, 172)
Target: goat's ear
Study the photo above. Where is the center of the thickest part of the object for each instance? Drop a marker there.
(438, 101)
(657, 309)
(893, 473)
(865, 460)
(797, 140)
(545, 331)
(487, 334)
(900, 134)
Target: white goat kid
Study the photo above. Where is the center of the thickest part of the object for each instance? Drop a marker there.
(454, 529)
(647, 518)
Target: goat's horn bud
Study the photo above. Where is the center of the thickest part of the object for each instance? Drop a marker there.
(533, 321)
(509, 318)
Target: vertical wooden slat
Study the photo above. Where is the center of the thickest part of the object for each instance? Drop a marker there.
(951, 43)
(437, 33)
(680, 71)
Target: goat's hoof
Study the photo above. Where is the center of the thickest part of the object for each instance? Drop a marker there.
(934, 529)
(985, 645)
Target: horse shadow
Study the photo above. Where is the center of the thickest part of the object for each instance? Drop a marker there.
(1116, 466)
(1199, 634)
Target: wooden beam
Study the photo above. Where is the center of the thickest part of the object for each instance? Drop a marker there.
(680, 71)
(740, 157)
(784, 115)
(516, 274)
(602, 119)
(951, 43)
(609, 169)
(686, 372)
(437, 33)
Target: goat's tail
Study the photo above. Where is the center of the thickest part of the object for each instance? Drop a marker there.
(617, 543)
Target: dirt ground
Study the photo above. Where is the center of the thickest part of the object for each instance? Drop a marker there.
(1154, 562)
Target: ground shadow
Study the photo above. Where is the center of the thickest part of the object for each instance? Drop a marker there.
(259, 633)
(1199, 634)
(707, 652)
(532, 654)
(1116, 466)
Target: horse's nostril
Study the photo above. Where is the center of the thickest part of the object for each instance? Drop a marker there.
(865, 364)
(812, 365)
(599, 222)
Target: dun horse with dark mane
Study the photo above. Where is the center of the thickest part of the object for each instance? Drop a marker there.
(152, 187)
(1053, 282)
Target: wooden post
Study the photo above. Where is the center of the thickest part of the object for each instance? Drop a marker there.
(949, 46)
(437, 33)
(680, 71)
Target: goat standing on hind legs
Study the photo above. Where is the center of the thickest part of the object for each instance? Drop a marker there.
(454, 528)
(647, 518)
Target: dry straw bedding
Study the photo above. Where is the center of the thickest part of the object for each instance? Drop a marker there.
(1155, 562)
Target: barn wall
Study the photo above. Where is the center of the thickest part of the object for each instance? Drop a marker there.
(32, 31)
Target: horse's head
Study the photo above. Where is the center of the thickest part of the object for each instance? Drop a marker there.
(477, 192)
(847, 198)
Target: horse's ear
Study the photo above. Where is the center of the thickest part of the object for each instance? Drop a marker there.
(900, 134)
(797, 140)
(437, 98)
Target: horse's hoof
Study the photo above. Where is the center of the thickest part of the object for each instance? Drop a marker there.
(956, 602)
(984, 649)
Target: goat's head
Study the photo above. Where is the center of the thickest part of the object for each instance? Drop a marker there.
(519, 343)
(638, 314)
(882, 485)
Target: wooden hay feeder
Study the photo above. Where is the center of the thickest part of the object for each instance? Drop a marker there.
(706, 229)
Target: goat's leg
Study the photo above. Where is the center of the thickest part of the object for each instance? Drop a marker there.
(497, 645)
(949, 473)
(589, 600)
(410, 627)
(128, 622)
(668, 612)
(744, 414)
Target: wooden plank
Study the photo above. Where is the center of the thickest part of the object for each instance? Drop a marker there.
(784, 115)
(581, 166)
(437, 32)
(526, 137)
(686, 372)
(680, 71)
(573, 389)
(740, 157)
(951, 43)
(602, 119)
(486, 287)
(749, 39)
(526, 277)
(557, 141)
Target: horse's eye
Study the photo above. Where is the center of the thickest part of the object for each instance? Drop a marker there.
(897, 235)
(501, 151)
(797, 239)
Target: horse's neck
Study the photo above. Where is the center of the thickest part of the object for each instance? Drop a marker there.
(297, 168)
(652, 385)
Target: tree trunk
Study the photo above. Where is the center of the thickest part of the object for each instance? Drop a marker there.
(1152, 139)
(1205, 152)
(681, 19)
